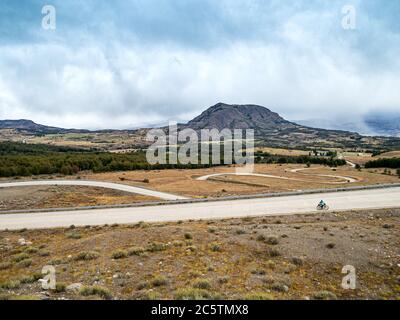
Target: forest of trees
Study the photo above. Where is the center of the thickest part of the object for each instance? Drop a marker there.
(393, 163)
(264, 157)
(17, 159)
(29, 160)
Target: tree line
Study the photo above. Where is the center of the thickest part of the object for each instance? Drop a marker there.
(265, 157)
(393, 163)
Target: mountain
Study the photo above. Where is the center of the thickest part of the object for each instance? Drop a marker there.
(223, 116)
(273, 130)
(28, 126)
(269, 127)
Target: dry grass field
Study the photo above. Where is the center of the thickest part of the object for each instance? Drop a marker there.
(184, 182)
(21, 198)
(288, 257)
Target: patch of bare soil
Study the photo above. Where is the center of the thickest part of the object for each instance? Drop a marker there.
(20, 198)
(287, 257)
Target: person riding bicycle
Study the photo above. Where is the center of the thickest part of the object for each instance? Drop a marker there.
(322, 204)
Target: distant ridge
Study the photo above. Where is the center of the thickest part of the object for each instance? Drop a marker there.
(273, 130)
(270, 129)
(29, 126)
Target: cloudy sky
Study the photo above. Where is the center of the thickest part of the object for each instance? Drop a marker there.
(126, 63)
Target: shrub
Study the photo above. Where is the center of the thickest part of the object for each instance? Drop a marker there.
(20, 257)
(142, 285)
(159, 281)
(202, 284)
(119, 254)
(87, 255)
(330, 245)
(10, 284)
(273, 240)
(74, 235)
(240, 231)
(223, 280)
(212, 230)
(261, 238)
(297, 261)
(136, 251)
(215, 247)
(60, 287)
(96, 291)
(156, 247)
(44, 253)
(324, 295)
(273, 252)
(25, 263)
(258, 296)
(192, 294)
(31, 250)
(188, 236)
(31, 279)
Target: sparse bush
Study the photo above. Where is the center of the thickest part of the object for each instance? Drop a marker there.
(240, 231)
(259, 296)
(156, 247)
(279, 287)
(20, 257)
(87, 255)
(215, 247)
(142, 285)
(202, 284)
(73, 235)
(297, 261)
(10, 284)
(212, 230)
(159, 281)
(136, 251)
(177, 243)
(223, 280)
(60, 287)
(188, 236)
(44, 253)
(119, 254)
(31, 250)
(25, 263)
(272, 240)
(192, 294)
(261, 238)
(324, 295)
(31, 279)
(192, 248)
(273, 253)
(96, 291)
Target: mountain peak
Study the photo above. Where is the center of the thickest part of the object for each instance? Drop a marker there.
(235, 116)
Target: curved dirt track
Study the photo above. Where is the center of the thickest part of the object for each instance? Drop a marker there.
(339, 201)
(107, 185)
(345, 179)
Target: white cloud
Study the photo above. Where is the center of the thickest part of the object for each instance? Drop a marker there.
(305, 65)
